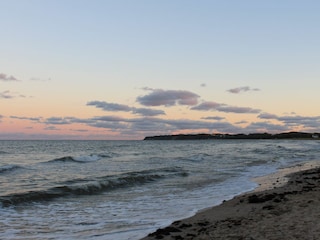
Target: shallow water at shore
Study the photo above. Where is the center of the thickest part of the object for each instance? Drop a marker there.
(289, 211)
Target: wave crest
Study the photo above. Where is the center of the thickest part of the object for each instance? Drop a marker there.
(81, 159)
(8, 168)
(91, 186)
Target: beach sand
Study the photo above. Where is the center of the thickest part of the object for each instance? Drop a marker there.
(285, 207)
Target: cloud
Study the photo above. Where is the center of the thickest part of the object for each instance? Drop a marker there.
(147, 112)
(242, 89)
(115, 107)
(206, 106)
(267, 116)
(214, 118)
(153, 125)
(51, 128)
(289, 119)
(7, 78)
(57, 121)
(159, 97)
(33, 119)
(113, 126)
(265, 127)
(159, 125)
(148, 125)
(241, 122)
(234, 109)
(50, 136)
(141, 125)
(194, 124)
(108, 119)
(40, 79)
(78, 120)
(6, 95)
(213, 106)
(79, 130)
(10, 95)
(112, 123)
(308, 123)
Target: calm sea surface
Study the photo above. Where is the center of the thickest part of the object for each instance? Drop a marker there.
(127, 189)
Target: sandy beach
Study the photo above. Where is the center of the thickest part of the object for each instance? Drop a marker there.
(286, 206)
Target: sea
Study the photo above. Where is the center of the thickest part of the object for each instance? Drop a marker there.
(128, 189)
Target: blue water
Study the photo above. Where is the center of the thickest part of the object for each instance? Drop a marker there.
(127, 189)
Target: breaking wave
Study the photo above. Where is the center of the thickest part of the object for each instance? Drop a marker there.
(82, 159)
(91, 186)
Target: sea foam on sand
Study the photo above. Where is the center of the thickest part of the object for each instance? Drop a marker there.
(285, 207)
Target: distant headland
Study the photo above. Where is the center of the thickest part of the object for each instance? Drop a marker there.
(203, 136)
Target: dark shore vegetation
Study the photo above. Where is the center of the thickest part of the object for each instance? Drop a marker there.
(286, 135)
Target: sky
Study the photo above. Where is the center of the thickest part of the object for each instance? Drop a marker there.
(126, 69)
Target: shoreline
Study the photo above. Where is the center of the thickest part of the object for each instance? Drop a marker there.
(283, 206)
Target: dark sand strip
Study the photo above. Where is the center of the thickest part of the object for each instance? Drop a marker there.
(291, 211)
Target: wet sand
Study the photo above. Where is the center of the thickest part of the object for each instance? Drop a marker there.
(285, 207)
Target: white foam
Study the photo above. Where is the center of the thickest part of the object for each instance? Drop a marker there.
(279, 178)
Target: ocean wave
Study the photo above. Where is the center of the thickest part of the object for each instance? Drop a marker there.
(91, 186)
(8, 168)
(3, 152)
(196, 157)
(256, 162)
(82, 159)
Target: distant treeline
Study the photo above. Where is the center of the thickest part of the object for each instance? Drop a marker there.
(287, 135)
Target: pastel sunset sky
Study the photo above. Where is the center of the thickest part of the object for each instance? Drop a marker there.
(106, 69)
